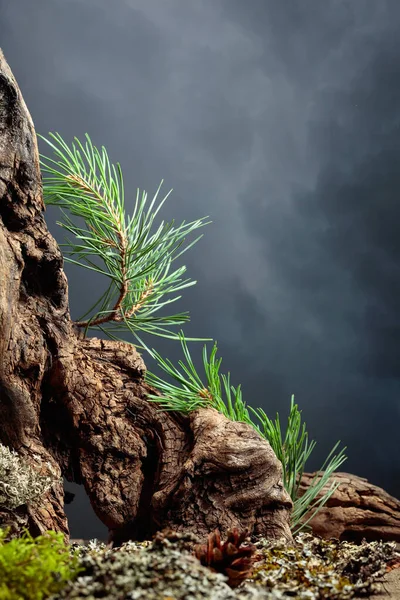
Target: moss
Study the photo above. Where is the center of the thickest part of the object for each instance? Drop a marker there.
(34, 568)
(310, 569)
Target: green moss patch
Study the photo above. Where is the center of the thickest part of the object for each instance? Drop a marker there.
(35, 568)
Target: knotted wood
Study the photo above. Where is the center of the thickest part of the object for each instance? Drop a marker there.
(66, 398)
(356, 510)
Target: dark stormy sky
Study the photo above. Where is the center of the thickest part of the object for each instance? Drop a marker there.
(281, 121)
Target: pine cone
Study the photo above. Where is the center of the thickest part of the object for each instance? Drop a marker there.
(230, 557)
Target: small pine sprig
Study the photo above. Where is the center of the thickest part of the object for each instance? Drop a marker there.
(192, 393)
(122, 248)
(292, 452)
(231, 557)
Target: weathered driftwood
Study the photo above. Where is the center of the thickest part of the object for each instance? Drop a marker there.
(65, 398)
(356, 510)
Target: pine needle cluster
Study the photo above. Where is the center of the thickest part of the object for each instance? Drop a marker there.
(293, 450)
(136, 261)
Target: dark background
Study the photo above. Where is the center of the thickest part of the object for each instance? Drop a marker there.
(281, 121)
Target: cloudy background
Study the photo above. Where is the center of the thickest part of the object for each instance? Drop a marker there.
(281, 121)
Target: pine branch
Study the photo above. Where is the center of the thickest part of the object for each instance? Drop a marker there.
(83, 181)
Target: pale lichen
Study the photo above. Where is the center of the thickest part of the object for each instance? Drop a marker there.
(318, 568)
(165, 569)
(20, 483)
(151, 571)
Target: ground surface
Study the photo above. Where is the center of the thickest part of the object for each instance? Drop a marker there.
(293, 565)
(390, 587)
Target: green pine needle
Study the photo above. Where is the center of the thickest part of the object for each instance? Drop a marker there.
(137, 262)
(192, 393)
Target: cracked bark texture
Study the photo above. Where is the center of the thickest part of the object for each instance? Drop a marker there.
(66, 398)
(356, 510)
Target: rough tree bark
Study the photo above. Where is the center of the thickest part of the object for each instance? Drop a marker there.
(356, 510)
(65, 398)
